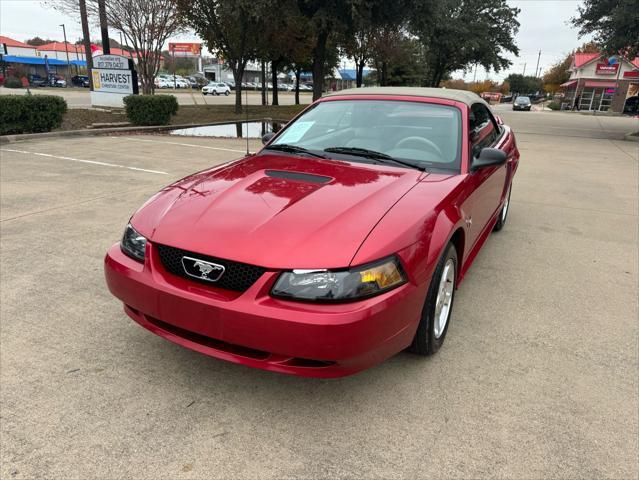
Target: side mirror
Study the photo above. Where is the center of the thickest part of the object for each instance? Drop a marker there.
(489, 157)
(267, 137)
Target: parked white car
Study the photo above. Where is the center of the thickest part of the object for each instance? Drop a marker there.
(214, 88)
(162, 83)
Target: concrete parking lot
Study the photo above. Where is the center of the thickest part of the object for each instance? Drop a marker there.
(80, 98)
(537, 379)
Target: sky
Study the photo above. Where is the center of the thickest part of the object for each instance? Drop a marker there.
(544, 26)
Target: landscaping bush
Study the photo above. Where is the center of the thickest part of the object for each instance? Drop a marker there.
(554, 105)
(150, 109)
(30, 113)
(12, 82)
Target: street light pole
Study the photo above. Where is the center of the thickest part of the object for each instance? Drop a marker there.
(104, 27)
(66, 49)
(524, 72)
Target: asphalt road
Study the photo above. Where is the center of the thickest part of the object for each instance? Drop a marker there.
(80, 98)
(537, 379)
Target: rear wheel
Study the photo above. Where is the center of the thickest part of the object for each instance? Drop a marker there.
(503, 215)
(438, 307)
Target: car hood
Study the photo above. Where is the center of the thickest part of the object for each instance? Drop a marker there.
(276, 210)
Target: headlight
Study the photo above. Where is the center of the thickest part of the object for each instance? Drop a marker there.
(133, 244)
(340, 285)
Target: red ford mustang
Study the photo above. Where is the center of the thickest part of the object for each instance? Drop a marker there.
(336, 246)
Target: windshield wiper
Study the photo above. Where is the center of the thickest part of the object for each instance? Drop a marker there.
(365, 152)
(285, 147)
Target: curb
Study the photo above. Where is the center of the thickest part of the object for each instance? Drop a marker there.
(5, 139)
(631, 137)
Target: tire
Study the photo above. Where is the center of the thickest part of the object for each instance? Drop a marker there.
(227, 93)
(503, 214)
(204, 93)
(431, 331)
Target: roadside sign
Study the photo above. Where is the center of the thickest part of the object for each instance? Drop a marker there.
(114, 77)
(113, 81)
(112, 62)
(185, 48)
(114, 74)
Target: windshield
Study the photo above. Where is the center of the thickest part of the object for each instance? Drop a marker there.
(522, 100)
(421, 134)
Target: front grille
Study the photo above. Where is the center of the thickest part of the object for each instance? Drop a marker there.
(237, 276)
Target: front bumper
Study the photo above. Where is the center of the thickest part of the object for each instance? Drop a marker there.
(254, 329)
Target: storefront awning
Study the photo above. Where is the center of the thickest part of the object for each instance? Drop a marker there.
(598, 84)
(569, 84)
(32, 60)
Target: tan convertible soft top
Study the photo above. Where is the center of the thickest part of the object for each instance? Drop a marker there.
(462, 96)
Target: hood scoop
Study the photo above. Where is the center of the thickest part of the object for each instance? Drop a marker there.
(298, 176)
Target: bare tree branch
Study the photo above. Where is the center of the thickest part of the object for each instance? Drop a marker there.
(146, 25)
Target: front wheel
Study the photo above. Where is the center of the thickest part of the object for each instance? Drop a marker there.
(503, 214)
(438, 307)
(227, 93)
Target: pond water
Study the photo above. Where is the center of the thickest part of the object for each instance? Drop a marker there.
(230, 130)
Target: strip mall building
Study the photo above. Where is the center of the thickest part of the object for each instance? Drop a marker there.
(598, 84)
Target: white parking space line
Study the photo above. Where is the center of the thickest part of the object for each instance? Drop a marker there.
(92, 162)
(183, 144)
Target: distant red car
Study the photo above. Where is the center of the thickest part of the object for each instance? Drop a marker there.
(336, 246)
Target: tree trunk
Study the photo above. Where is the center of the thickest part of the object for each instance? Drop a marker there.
(86, 40)
(238, 73)
(384, 74)
(298, 73)
(359, 74)
(319, 58)
(274, 65)
(263, 80)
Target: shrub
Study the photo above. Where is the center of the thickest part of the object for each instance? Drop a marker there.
(12, 82)
(150, 109)
(554, 105)
(30, 113)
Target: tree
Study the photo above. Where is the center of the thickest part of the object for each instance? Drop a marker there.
(178, 65)
(398, 59)
(146, 26)
(228, 27)
(615, 24)
(282, 36)
(460, 33)
(358, 47)
(524, 85)
(373, 23)
(37, 41)
(559, 72)
(327, 19)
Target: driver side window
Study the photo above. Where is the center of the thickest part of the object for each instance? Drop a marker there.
(483, 129)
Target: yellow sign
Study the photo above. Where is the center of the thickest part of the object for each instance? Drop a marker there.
(96, 80)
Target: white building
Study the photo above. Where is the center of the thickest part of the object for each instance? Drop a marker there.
(17, 48)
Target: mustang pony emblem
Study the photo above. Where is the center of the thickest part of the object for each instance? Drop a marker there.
(202, 269)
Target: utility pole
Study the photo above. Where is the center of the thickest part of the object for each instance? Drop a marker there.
(524, 72)
(475, 74)
(537, 67)
(66, 49)
(86, 40)
(104, 27)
